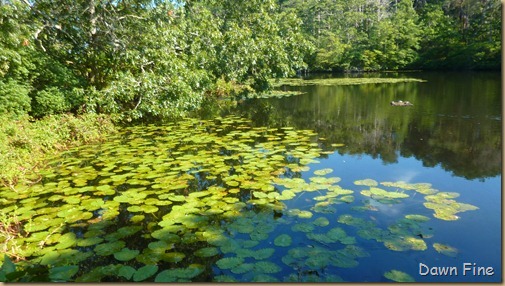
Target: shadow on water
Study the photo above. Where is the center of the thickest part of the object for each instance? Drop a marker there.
(455, 121)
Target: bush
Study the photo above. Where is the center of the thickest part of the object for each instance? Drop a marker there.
(14, 98)
(50, 101)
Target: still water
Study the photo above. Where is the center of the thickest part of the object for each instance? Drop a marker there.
(450, 138)
(331, 185)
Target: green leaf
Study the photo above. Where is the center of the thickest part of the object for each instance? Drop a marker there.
(145, 272)
(207, 252)
(63, 273)
(321, 221)
(266, 267)
(8, 266)
(283, 240)
(323, 172)
(398, 276)
(445, 249)
(229, 262)
(126, 254)
(126, 272)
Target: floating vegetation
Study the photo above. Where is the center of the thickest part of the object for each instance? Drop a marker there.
(323, 172)
(277, 94)
(445, 249)
(283, 240)
(398, 276)
(445, 207)
(340, 81)
(229, 262)
(210, 200)
(384, 196)
(366, 182)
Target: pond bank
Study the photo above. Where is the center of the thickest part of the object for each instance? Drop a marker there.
(24, 143)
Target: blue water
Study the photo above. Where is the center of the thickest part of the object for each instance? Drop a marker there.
(476, 235)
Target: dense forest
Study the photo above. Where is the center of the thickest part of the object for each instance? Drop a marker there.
(161, 59)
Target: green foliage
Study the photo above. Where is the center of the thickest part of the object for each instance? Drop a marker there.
(382, 35)
(23, 144)
(49, 101)
(11, 272)
(14, 98)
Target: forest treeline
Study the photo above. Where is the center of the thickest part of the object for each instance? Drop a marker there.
(162, 59)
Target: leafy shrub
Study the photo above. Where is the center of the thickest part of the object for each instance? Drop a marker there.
(14, 98)
(50, 101)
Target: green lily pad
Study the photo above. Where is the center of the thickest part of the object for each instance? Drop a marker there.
(323, 172)
(145, 272)
(243, 268)
(445, 249)
(418, 218)
(224, 278)
(405, 243)
(304, 214)
(263, 253)
(173, 257)
(207, 252)
(126, 272)
(266, 267)
(321, 221)
(177, 274)
(283, 240)
(109, 248)
(264, 278)
(303, 227)
(366, 182)
(126, 254)
(229, 262)
(398, 276)
(67, 240)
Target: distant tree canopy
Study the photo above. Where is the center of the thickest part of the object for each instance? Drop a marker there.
(397, 34)
(159, 59)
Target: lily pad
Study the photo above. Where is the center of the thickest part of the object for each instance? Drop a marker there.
(321, 221)
(145, 272)
(126, 254)
(303, 227)
(283, 240)
(243, 268)
(323, 172)
(207, 252)
(398, 276)
(177, 274)
(266, 267)
(126, 272)
(109, 248)
(366, 182)
(445, 249)
(229, 262)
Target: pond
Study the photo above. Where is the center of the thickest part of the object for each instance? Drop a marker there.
(334, 184)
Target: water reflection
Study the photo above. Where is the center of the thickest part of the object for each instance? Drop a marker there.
(455, 121)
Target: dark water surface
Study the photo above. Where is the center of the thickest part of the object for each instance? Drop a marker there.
(331, 185)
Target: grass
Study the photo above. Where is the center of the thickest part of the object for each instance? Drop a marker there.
(24, 143)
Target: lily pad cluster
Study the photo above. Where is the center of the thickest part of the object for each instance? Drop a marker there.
(340, 81)
(166, 185)
(202, 200)
(443, 204)
(405, 234)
